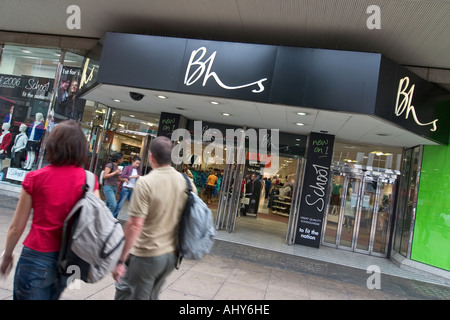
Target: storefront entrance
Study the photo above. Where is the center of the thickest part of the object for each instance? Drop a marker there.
(360, 209)
(261, 193)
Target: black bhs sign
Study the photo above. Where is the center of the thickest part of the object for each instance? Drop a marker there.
(315, 189)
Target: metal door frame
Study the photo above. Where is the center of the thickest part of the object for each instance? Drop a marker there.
(295, 204)
(348, 176)
(363, 175)
(229, 203)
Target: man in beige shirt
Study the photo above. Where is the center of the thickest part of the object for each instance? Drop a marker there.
(151, 233)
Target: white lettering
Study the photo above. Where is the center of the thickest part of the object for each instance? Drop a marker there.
(74, 20)
(374, 280)
(319, 187)
(205, 68)
(403, 103)
(34, 84)
(374, 21)
(73, 282)
(182, 151)
(196, 310)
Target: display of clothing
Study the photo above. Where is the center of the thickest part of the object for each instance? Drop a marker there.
(336, 195)
(36, 131)
(18, 149)
(5, 141)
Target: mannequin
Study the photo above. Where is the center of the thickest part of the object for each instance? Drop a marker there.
(5, 142)
(35, 133)
(18, 149)
(336, 195)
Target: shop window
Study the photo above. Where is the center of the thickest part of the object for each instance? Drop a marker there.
(29, 61)
(407, 199)
(368, 155)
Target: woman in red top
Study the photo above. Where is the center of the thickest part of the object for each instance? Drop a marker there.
(51, 192)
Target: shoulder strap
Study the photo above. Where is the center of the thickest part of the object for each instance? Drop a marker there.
(90, 181)
(188, 182)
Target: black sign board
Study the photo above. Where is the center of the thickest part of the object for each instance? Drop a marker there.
(315, 189)
(168, 122)
(348, 81)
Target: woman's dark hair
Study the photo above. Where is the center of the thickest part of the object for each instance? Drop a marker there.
(67, 145)
(136, 158)
(116, 157)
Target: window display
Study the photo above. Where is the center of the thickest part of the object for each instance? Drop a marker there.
(5, 142)
(18, 150)
(35, 134)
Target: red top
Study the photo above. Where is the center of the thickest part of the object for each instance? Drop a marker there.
(7, 139)
(54, 191)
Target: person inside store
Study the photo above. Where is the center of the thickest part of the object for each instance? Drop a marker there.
(188, 172)
(9, 116)
(255, 186)
(210, 185)
(5, 142)
(113, 170)
(129, 176)
(62, 95)
(267, 185)
(35, 134)
(18, 149)
(48, 194)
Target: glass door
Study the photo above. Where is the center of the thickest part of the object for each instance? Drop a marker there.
(359, 218)
(367, 211)
(295, 204)
(384, 215)
(231, 195)
(333, 218)
(349, 210)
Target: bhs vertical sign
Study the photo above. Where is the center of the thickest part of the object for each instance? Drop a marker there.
(315, 189)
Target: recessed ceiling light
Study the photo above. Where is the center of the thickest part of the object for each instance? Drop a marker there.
(116, 100)
(214, 102)
(301, 113)
(132, 115)
(162, 97)
(226, 114)
(299, 124)
(26, 51)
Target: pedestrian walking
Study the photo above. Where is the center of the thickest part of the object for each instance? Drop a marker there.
(111, 180)
(129, 177)
(50, 192)
(151, 232)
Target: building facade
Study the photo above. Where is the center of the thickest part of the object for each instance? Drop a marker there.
(368, 175)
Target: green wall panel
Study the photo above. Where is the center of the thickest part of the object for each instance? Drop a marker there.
(431, 241)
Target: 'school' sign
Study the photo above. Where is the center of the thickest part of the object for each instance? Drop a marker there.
(315, 189)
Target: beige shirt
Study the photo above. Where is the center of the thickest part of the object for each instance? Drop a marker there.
(159, 197)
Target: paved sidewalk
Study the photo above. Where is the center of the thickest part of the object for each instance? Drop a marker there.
(236, 271)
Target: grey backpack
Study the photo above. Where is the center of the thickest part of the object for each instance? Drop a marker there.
(92, 239)
(197, 232)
